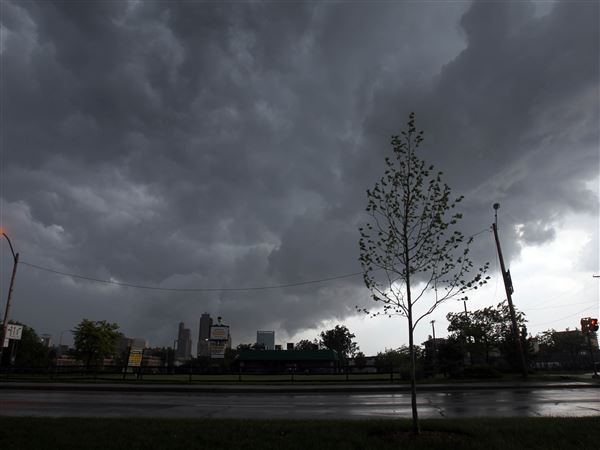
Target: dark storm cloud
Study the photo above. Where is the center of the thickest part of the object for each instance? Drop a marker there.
(514, 117)
(205, 144)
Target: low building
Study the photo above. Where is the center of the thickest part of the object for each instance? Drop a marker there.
(362, 365)
(275, 361)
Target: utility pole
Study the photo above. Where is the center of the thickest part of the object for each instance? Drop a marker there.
(509, 290)
(434, 343)
(8, 300)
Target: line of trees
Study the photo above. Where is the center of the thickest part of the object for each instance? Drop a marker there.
(479, 344)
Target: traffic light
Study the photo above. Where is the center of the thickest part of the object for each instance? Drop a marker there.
(588, 324)
(585, 324)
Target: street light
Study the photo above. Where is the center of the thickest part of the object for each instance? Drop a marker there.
(10, 291)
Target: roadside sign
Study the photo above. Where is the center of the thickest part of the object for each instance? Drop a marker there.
(14, 332)
(217, 349)
(135, 358)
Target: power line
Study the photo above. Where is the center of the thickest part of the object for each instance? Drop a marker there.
(559, 306)
(154, 288)
(561, 296)
(222, 289)
(565, 317)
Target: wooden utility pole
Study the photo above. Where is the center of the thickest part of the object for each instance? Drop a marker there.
(10, 292)
(434, 344)
(509, 290)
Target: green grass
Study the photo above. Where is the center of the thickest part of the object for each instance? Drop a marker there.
(188, 434)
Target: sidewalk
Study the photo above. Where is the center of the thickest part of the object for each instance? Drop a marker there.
(293, 388)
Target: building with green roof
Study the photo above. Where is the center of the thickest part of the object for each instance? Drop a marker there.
(277, 361)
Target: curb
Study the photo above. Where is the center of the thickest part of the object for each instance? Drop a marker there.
(282, 389)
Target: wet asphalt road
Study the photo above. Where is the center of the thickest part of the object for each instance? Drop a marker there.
(467, 403)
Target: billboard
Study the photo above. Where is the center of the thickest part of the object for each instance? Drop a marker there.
(217, 349)
(219, 332)
(219, 336)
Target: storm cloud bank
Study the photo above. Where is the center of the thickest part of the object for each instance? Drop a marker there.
(230, 145)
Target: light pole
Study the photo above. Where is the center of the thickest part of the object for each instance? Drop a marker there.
(10, 291)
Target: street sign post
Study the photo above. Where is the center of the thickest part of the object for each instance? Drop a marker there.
(13, 332)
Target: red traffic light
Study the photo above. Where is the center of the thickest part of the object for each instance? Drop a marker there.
(588, 324)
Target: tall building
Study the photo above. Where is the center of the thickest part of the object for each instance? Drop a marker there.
(184, 342)
(204, 335)
(266, 338)
(46, 340)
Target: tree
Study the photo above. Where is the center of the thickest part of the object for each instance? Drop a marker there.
(485, 329)
(29, 351)
(305, 344)
(341, 340)
(507, 337)
(360, 360)
(95, 340)
(479, 330)
(451, 355)
(409, 240)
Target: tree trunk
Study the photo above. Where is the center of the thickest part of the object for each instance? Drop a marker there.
(413, 382)
(405, 239)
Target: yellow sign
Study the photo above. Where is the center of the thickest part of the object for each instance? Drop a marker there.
(135, 358)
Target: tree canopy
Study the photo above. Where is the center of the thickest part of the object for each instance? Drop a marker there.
(95, 340)
(305, 344)
(486, 329)
(341, 340)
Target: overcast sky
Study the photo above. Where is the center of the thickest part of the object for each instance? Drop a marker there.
(230, 144)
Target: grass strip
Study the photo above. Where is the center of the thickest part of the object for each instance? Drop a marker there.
(27, 433)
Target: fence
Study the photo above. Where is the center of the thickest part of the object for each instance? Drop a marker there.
(204, 373)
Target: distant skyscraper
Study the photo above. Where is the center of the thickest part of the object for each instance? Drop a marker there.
(266, 338)
(184, 342)
(204, 334)
(46, 340)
